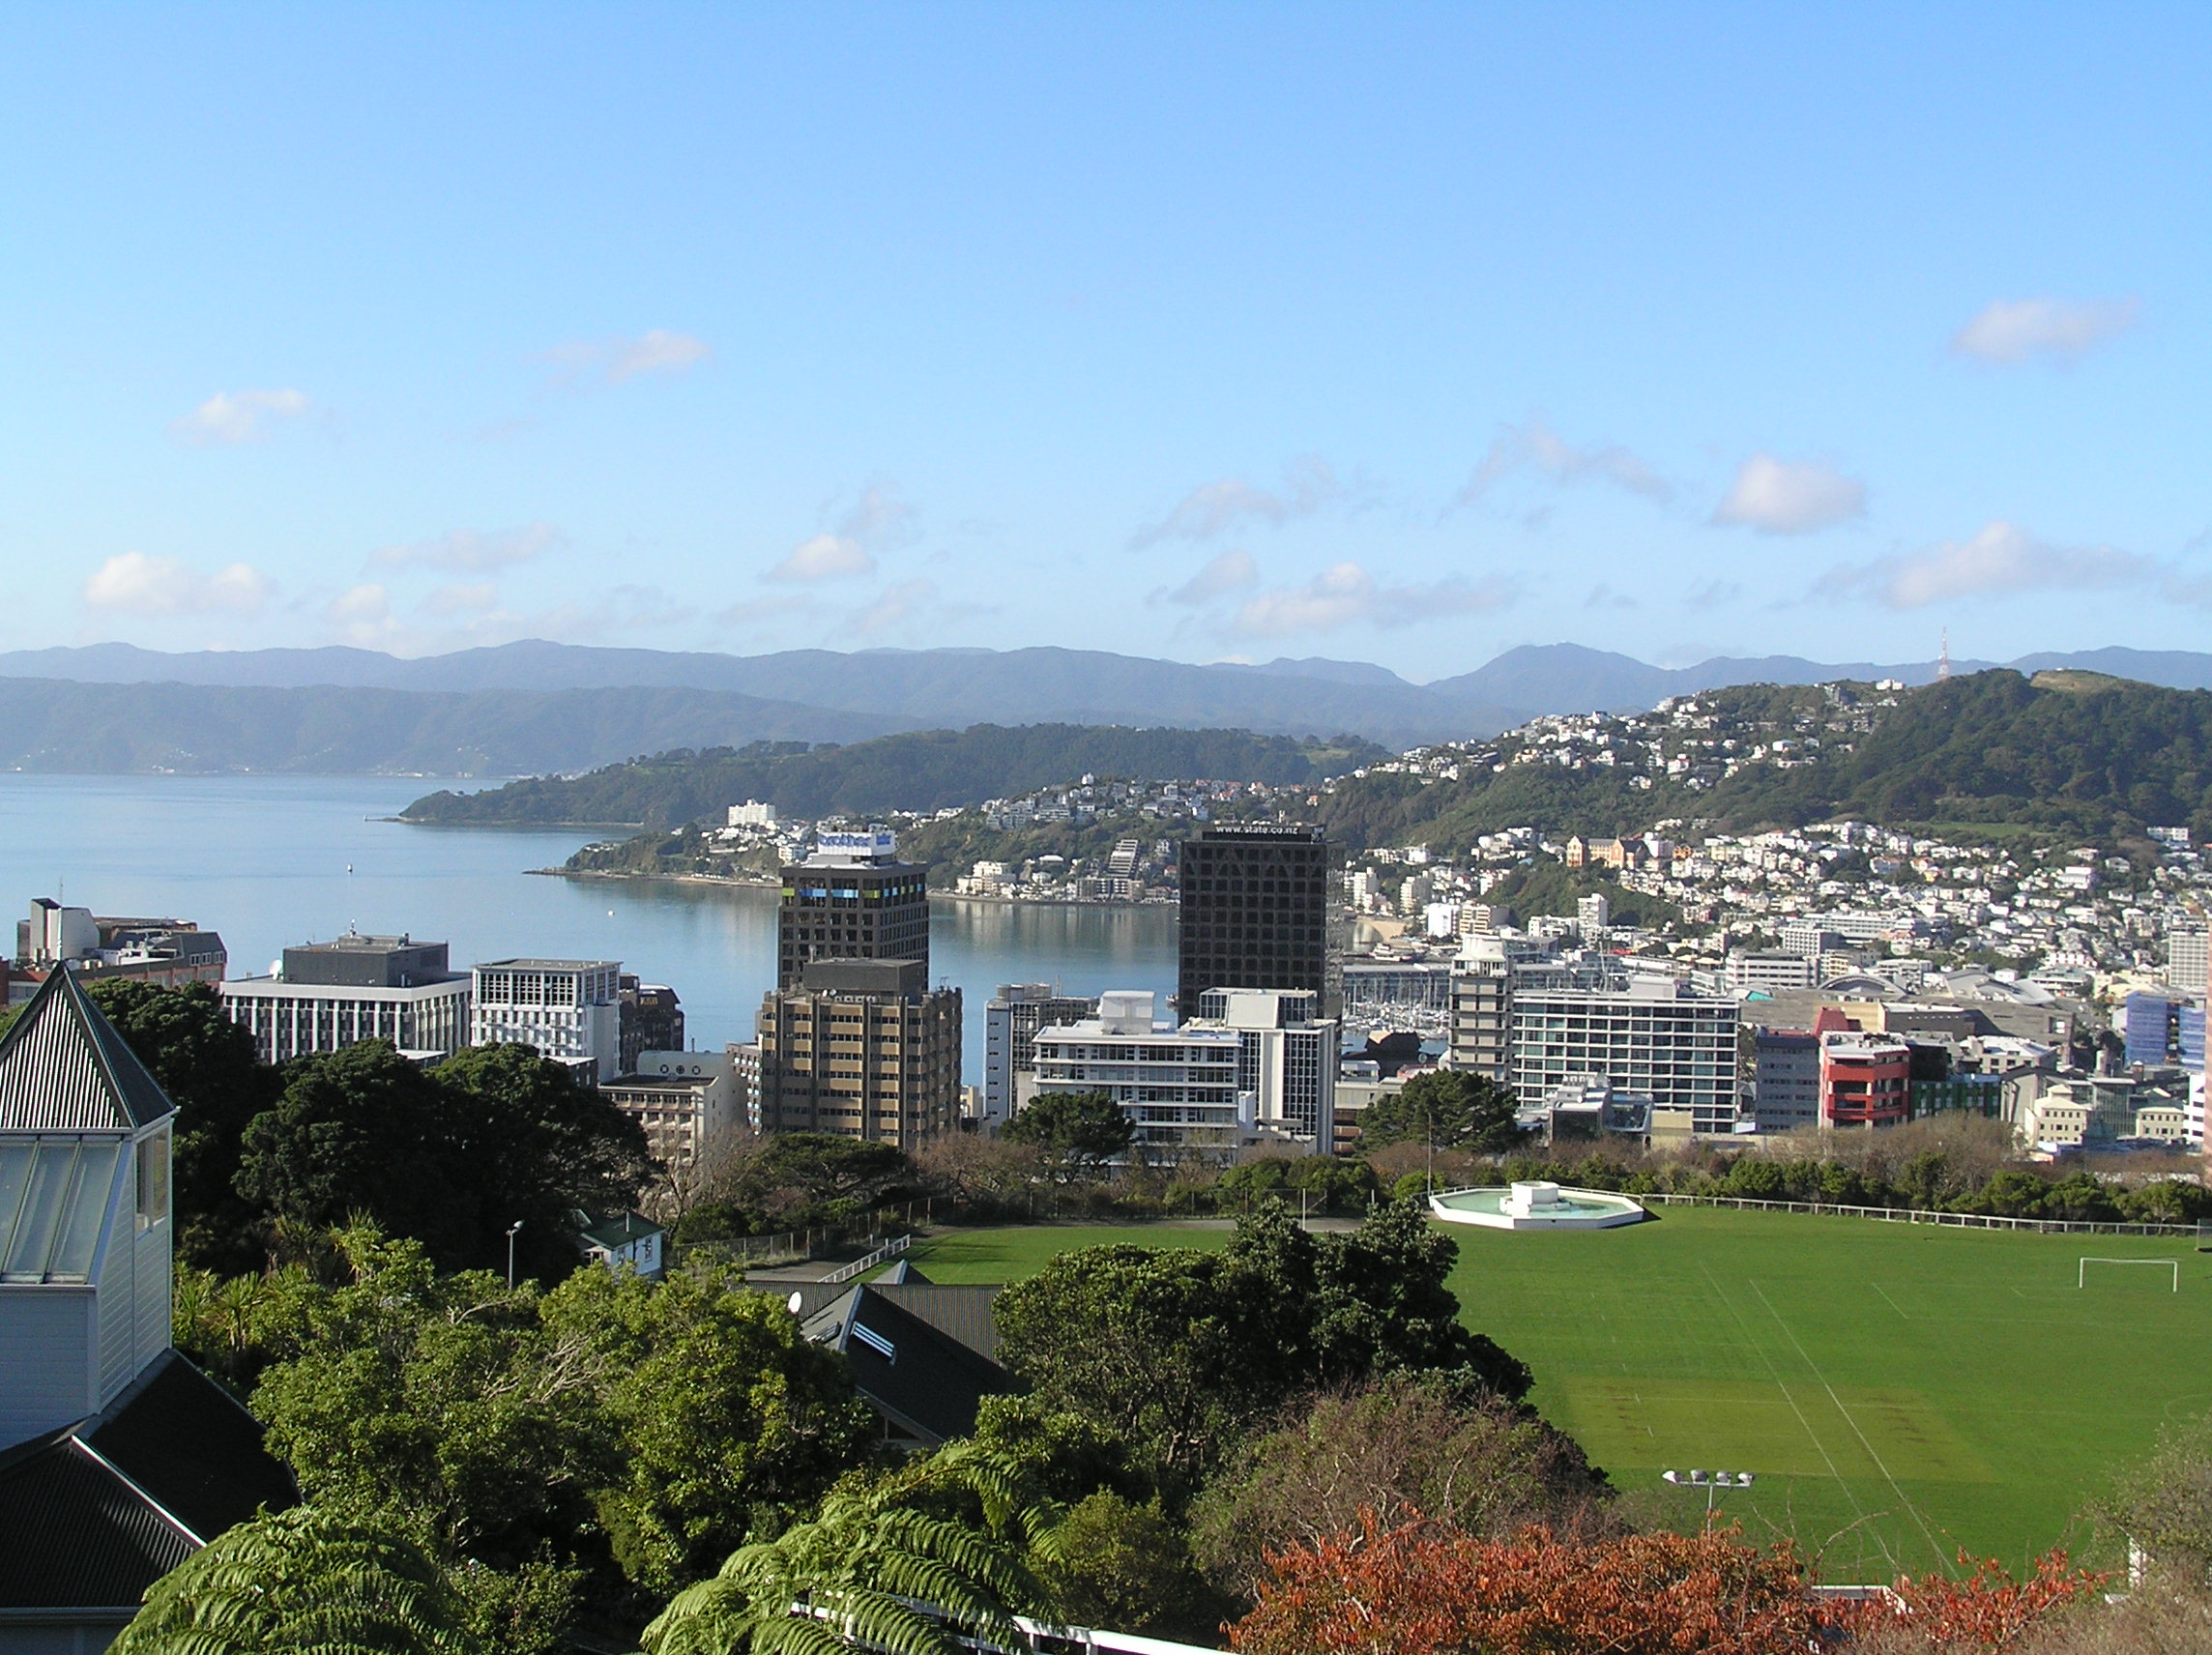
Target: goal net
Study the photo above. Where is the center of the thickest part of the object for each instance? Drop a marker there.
(2081, 1271)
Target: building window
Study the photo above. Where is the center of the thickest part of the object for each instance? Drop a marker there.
(154, 1180)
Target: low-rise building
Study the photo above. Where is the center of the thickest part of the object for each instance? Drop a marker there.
(1177, 1087)
(1767, 973)
(1865, 1080)
(689, 1103)
(327, 995)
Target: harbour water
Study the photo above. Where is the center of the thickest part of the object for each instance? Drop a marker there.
(268, 860)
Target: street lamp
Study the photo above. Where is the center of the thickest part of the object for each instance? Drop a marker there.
(1712, 1482)
(516, 1229)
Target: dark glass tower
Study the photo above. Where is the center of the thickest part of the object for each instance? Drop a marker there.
(852, 900)
(1256, 905)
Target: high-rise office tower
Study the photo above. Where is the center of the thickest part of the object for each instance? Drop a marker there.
(1256, 914)
(852, 899)
(864, 1049)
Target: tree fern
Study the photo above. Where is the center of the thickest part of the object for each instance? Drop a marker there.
(298, 1582)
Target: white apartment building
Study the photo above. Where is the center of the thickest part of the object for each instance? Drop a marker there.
(1177, 1085)
(1286, 1062)
(327, 995)
(1649, 1035)
(570, 1009)
(1769, 974)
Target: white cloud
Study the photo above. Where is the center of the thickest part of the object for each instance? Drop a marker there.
(133, 582)
(895, 608)
(878, 518)
(659, 351)
(1344, 594)
(1999, 560)
(1308, 486)
(1536, 446)
(1230, 572)
(473, 551)
(612, 361)
(1790, 497)
(238, 416)
(2012, 331)
(469, 598)
(825, 557)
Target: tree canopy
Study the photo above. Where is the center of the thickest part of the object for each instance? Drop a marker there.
(1180, 1353)
(1079, 1130)
(1452, 1109)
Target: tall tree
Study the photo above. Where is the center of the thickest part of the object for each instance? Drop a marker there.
(208, 1066)
(729, 1421)
(527, 1141)
(1451, 1109)
(1079, 1130)
(360, 1131)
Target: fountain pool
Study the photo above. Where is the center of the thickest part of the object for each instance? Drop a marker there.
(1535, 1206)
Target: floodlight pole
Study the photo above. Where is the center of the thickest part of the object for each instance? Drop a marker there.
(513, 1231)
(1712, 1482)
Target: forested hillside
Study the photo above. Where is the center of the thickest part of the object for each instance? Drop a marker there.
(2074, 752)
(926, 770)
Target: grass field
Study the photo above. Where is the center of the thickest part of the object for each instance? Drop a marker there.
(1900, 1391)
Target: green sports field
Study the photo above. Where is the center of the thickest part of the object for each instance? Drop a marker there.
(1900, 1391)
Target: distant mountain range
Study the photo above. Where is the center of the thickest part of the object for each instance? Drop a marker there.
(536, 706)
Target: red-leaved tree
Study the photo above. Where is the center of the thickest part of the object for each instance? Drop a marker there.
(1417, 1590)
(1984, 1611)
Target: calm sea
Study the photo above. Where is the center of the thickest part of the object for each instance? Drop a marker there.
(268, 860)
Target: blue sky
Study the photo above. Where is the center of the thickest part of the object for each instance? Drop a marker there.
(1401, 334)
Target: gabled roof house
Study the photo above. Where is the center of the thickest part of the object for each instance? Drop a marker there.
(118, 1458)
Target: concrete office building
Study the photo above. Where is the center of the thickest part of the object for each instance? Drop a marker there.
(1011, 1022)
(1769, 974)
(571, 1010)
(864, 1048)
(327, 995)
(1651, 1036)
(852, 899)
(1256, 913)
(1287, 1061)
(689, 1103)
(1785, 1079)
(1177, 1087)
(166, 952)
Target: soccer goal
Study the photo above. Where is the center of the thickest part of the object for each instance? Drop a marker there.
(2081, 1273)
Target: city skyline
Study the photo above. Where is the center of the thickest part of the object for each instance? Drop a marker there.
(1404, 337)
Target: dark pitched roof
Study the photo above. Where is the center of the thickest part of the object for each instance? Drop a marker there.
(63, 1068)
(94, 1513)
(922, 1378)
(184, 1439)
(962, 1313)
(73, 1534)
(902, 1272)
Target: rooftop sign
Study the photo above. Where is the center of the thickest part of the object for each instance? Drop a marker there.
(878, 844)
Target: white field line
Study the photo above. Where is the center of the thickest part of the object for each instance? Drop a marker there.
(1941, 1560)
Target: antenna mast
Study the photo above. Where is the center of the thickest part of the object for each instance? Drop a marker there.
(1943, 661)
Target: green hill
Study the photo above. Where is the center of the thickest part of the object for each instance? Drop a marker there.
(2074, 753)
(929, 769)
